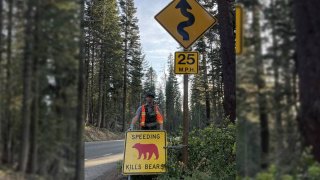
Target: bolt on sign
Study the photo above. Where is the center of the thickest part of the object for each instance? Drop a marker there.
(186, 21)
(186, 62)
(239, 29)
(144, 153)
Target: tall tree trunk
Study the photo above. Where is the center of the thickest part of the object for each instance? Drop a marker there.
(34, 121)
(91, 111)
(206, 87)
(104, 89)
(125, 69)
(79, 175)
(101, 85)
(262, 102)
(228, 57)
(26, 101)
(307, 23)
(1, 30)
(1, 80)
(102, 124)
(87, 80)
(277, 89)
(106, 93)
(35, 103)
(8, 121)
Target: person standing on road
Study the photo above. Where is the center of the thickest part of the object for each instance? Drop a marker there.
(149, 115)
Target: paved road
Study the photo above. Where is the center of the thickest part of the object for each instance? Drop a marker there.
(101, 157)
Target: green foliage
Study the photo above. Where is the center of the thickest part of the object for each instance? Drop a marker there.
(314, 172)
(269, 175)
(119, 166)
(264, 176)
(308, 169)
(211, 155)
(287, 177)
(199, 176)
(211, 150)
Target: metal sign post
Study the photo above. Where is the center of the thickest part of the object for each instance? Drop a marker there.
(186, 21)
(185, 119)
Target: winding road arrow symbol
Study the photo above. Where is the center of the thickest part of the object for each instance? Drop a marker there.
(183, 5)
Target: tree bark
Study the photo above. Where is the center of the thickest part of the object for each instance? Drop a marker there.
(91, 111)
(124, 103)
(26, 101)
(34, 121)
(101, 81)
(277, 89)
(79, 160)
(1, 29)
(262, 101)
(87, 80)
(206, 87)
(226, 32)
(35, 102)
(1, 80)
(8, 121)
(307, 24)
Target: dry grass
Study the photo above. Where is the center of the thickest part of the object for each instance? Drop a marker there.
(13, 175)
(97, 134)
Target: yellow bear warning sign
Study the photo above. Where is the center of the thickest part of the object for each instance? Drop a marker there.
(144, 153)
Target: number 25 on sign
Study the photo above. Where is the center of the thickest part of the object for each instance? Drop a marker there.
(186, 63)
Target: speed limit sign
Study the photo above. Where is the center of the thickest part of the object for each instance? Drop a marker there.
(186, 63)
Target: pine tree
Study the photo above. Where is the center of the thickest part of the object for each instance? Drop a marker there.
(41, 46)
(160, 98)
(173, 99)
(266, 90)
(281, 53)
(7, 113)
(150, 81)
(103, 67)
(308, 70)
(1, 29)
(26, 103)
(133, 58)
(79, 160)
(136, 76)
(226, 31)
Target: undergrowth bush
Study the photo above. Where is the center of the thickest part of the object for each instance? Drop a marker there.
(307, 169)
(211, 155)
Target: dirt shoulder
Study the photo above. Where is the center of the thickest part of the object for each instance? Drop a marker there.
(99, 134)
(8, 174)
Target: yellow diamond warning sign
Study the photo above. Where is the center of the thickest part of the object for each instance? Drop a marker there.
(144, 153)
(185, 20)
(186, 63)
